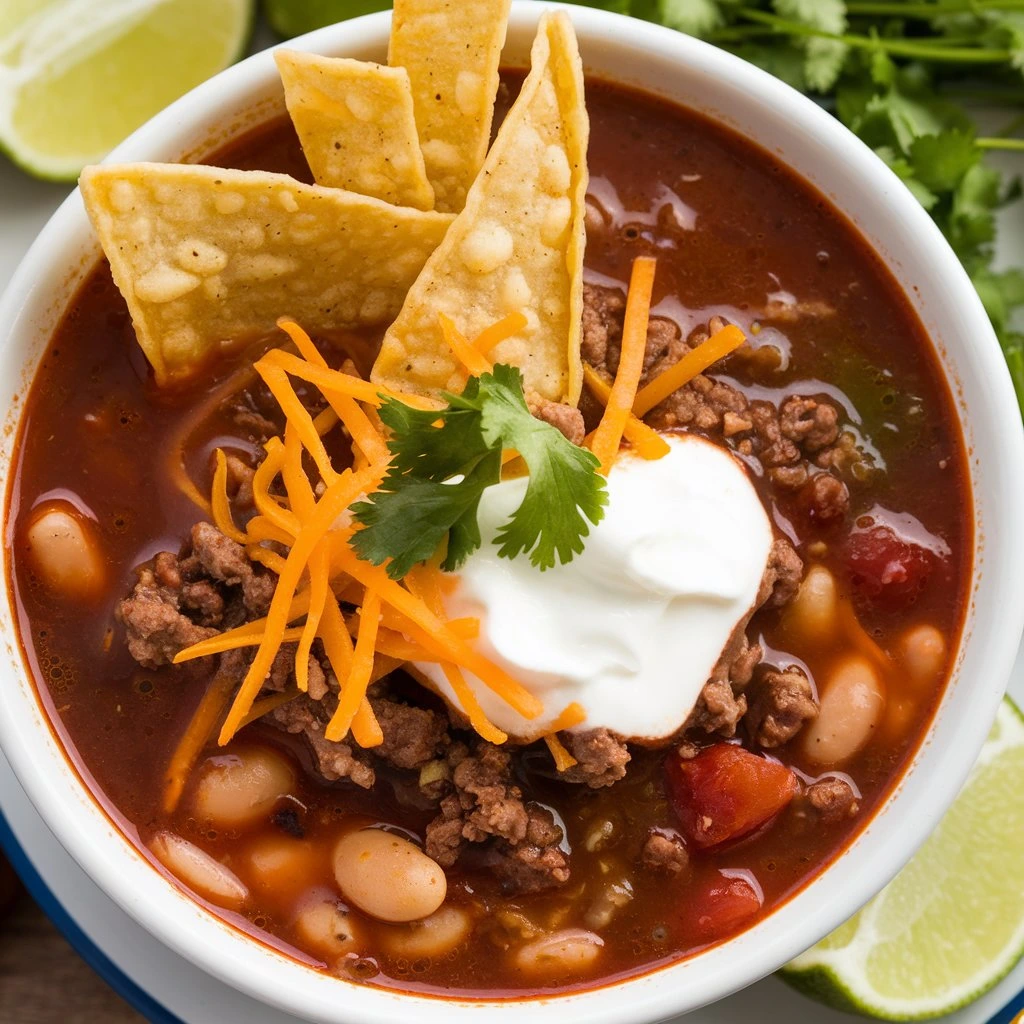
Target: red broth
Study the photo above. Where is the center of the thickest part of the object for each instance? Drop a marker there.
(731, 228)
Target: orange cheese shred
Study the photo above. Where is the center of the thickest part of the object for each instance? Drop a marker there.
(325, 421)
(198, 415)
(232, 640)
(394, 645)
(470, 357)
(298, 417)
(338, 496)
(468, 627)
(571, 715)
(267, 704)
(319, 585)
(562, 758)
(696, 361)
(353, 688)
(608, 435)
(425, 581)
(179, 475)
(271, 559)
(268, 506)
(499, 332)
(345, 408)
(470, 705)
(325, 379)
(257, 627)
(334, 636)
(259, 529)
(194, 738)
(222, 517)
(366, 730)
(342, 383)
(646, 441)
(439, 637)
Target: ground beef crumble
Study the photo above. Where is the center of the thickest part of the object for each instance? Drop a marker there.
(781, 703)
(524, 843)
(181, 599)
(665, 852)
(567, 419)
(832, 800)
(601, 757)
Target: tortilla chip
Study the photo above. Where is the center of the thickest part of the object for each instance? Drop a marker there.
(355, 122)
(517, 246)
(206, 256)
(451, 49)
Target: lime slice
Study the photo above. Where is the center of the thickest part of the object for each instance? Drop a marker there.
(77, 76)
(951, 924)
(290, 18)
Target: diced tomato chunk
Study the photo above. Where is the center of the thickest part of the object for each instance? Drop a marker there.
(884, 566)
(723, 907)
(725, 792)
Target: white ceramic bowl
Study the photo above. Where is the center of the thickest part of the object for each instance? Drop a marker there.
(809, 140)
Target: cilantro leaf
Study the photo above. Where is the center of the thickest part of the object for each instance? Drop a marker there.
(562, 476)
(941, 161)
(898, 74)
(695, 17)
(441, 463)
(823, 57)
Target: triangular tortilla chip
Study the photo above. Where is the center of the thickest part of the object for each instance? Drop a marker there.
(356, 125)
(206, 256)
(451, 50)
(517, 246)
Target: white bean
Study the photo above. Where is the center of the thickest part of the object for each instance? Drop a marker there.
(241, 787)
(199, 871)
(434, 936)
(613, 896)
(851, 707)
(388, 877)
(280, 864)
(63, 548)
(569, 950)
(326, 927)
(814, 611)
(922, 650)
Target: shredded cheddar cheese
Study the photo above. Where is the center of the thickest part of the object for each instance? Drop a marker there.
(608, 436)
(719, 345)
(354, 690)
(647, 442)
(562, 758)
(499, 332)
(470, 357)
(308, 530)
(219, 501)
(572, 714)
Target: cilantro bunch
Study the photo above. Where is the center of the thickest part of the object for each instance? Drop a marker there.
(900, 74)
(442, 461)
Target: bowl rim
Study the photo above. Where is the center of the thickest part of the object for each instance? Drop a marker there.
(83, 828)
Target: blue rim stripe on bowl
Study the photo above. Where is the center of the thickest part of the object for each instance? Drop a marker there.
(113, 975)
(1012, 1012)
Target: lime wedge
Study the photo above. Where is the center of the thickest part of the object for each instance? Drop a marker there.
(290, 18)
(951, 924)
(77, 76)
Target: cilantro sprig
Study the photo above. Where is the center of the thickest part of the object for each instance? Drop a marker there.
(906, 76)
(443, 460)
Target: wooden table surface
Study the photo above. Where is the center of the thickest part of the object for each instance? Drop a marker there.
(42, 979)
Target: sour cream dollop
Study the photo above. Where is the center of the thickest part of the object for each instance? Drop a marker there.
(632, 627)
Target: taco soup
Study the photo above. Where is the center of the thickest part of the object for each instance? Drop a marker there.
(486, 568)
